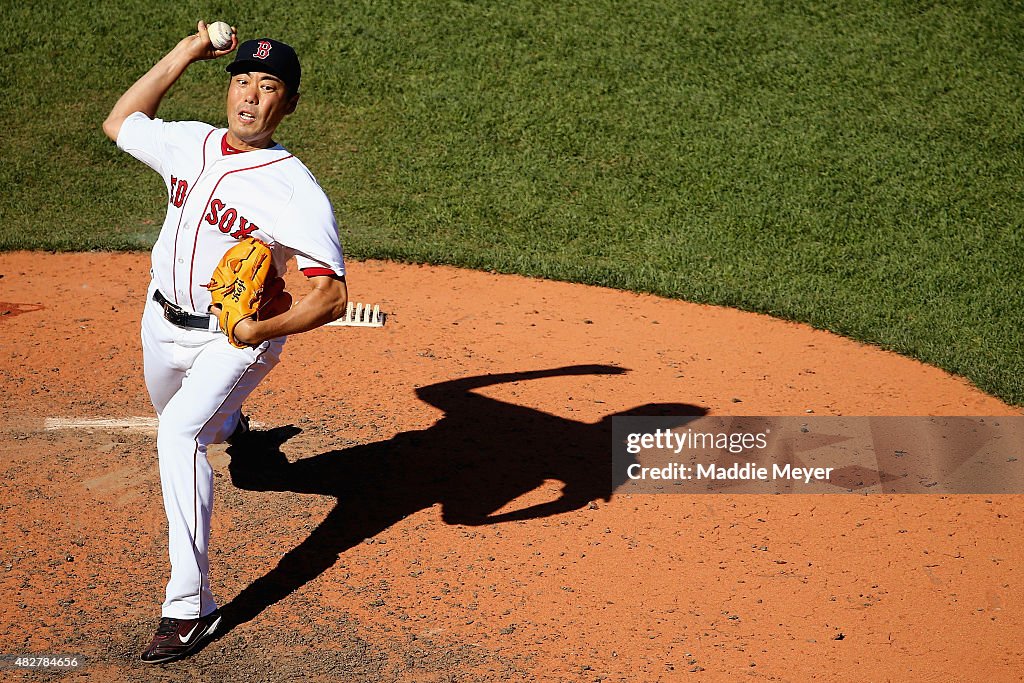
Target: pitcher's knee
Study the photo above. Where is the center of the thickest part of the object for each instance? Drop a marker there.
(174, 442)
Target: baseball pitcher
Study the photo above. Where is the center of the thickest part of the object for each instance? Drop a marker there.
(239, 207)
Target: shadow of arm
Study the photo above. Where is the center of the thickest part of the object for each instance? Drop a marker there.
(443, 394)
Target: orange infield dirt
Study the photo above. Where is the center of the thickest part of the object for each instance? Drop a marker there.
(403, 518)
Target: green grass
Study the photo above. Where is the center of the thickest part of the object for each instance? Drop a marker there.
(853, 165)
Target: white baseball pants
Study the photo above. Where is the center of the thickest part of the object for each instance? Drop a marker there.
(197, 382)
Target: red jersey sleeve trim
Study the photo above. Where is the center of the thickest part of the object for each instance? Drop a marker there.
(314, 272)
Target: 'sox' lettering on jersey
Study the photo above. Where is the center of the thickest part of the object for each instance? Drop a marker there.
(226, 222)
(244, 228)
(213, 216)
(262, 50)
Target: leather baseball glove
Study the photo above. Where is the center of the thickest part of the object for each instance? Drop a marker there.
(237, 284)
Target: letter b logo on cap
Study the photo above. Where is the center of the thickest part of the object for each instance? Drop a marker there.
(262, 50)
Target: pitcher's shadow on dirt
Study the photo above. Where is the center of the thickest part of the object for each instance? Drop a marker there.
(481, 455)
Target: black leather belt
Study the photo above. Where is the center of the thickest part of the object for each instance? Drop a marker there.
(179, 316)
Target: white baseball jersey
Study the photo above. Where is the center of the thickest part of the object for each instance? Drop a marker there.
(196, 380)
(217, 196)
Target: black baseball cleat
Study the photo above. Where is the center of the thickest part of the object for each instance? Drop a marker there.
(241, 431)
(176, 638)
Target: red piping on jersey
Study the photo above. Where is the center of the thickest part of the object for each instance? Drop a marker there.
(195, 242)
(174, 254)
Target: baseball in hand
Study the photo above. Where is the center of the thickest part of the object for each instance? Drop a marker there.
(220, 35)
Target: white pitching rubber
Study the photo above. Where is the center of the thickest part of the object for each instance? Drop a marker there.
(358, 315)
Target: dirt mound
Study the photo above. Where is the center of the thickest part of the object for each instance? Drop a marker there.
(431, 501)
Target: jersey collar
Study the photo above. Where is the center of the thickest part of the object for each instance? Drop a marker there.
(226, 149)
